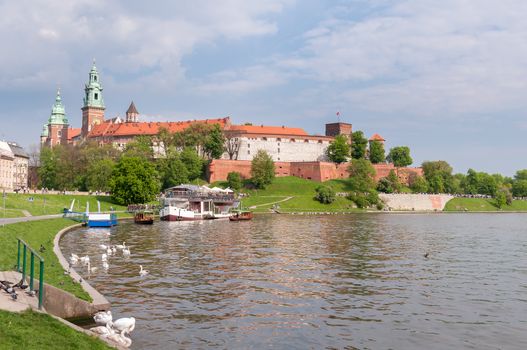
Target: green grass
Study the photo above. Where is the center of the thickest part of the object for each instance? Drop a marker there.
(303, 193)
(44, 204)
(36, 233)
(482, 204)
(32, 330)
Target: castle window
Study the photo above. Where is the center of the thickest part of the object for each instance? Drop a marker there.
(278, 149)
(94, 78)
(319, 141)
(293, 140)
(59, 133)
(96, 96)
(279, 139)
(264, 138)
(306, 140)
(248, 145)
(248, 151)
(279, 159)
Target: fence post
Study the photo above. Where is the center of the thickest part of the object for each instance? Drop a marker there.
(32, 270)
(24, 263)
(41, 285)
(18, 257)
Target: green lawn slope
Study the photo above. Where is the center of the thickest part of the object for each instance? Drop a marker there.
(482, 204)
(37, 331)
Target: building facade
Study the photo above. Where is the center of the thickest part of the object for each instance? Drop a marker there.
(14, 163)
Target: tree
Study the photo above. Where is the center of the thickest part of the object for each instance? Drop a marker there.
(214, 143)
(400, 156)
(134, 180)
(500, 198)
(325, 194)
(519, 188)
(362, 183)
(262, 169)
(174, 173)
(99, 174)
(338, 150)
(438, 174)
(192, 162)
(140, 147)
(418, 184)
(521, 175)
(358, 145)
(377, 152)
(389, 184)
(48, 170)
(232, 146)
(234, 180)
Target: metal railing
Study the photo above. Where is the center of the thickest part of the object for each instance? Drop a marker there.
(25, 247)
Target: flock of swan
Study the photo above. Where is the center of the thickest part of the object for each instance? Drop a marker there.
(114, 330)
(108, 251)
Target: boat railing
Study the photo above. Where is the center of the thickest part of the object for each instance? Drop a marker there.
(193, 195)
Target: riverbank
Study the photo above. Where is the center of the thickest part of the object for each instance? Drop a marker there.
(483, 205)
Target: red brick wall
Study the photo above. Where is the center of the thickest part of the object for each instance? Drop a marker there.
(316, 171)
(89, 115)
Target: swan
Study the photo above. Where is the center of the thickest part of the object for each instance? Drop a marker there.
(126, 251)
(103, 317)
(105, 265)
(91, 269)
(109, 251)
(123, 324)
(103, 330)
(74, 259)
(104, 257)
(120, 339)
(121, 246)
(74, 256)
(103, 246)
(85, 259)
(114, 250)
(142, 272)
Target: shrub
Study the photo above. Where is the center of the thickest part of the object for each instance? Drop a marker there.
(325, 194)
(234, 180)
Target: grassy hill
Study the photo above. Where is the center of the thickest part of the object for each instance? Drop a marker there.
(482, 204)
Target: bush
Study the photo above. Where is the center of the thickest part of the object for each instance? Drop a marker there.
(325, 194)
(365, 199)
(262, 169)
(234, 180)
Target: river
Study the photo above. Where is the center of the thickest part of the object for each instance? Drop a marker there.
(318, 282)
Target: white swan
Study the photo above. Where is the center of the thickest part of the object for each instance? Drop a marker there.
(85, 259)
(123, 324)
(103, 317)
(103, 330)
(109, 251)
(105, 265)
(114, 250)
(121, 246)
(142, 272)
(91, 269)
(103, 246)
(74, 259)
(104, 257)
(126, 251)
(120, 339)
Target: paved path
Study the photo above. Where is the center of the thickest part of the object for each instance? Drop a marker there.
(23, 302)
(26, 213)
(28, 218)
(261, 205)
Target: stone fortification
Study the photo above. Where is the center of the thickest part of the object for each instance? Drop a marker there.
(316, 171)
(415, 202)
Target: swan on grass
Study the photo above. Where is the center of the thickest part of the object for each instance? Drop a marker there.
(101, 318)
(142, 272)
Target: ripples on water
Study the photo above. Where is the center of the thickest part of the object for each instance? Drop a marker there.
(294, 282)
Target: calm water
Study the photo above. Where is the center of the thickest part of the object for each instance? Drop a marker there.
(333, 282)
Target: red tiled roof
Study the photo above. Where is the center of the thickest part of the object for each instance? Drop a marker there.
(268, 130)
(73, 132)
(376, 137)
(148, 128)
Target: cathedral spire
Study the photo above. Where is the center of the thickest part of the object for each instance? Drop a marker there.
(93, 89)
(58, 112)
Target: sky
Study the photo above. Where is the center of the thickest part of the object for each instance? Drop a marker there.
(445, 78)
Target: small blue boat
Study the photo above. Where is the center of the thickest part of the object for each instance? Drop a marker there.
(97, 219)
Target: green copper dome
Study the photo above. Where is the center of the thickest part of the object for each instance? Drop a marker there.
(58, 112)
(45, 131)
(93, 90)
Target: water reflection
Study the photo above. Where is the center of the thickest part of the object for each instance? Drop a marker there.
(318, 282)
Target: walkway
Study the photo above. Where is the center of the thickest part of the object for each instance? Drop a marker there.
(261, 205)
(23, 302)
(28, 218)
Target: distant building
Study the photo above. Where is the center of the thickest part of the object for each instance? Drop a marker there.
(20, 166)
(7, 160)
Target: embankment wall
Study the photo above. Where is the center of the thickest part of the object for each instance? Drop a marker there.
(415, 202)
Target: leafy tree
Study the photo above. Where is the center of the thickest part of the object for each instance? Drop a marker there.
(99, 174)
(215, 143)
(502, 197)
(140, 147)
(262, 169)
(438, 174)
(338, 150)
(521, 175)
(173, 172)
(479, 183)
(377, 152)
(48, 171)
(358, 145)
(519, 188)
(234, 180)
(134, 180)
(362, 183)
(389, 184)
(418, 184)
(400, 156)
(192, 162)
(325, 194)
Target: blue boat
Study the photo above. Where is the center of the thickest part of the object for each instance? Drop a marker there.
(97, 219)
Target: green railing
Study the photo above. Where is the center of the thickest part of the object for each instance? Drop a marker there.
(25, 247)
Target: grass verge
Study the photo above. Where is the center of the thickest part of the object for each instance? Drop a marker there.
(37, 233)
(34, 330)
(482, 204)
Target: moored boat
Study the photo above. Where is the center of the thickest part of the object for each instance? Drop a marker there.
(241, 215)
(144, 217)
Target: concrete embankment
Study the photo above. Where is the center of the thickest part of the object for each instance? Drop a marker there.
(415, 202)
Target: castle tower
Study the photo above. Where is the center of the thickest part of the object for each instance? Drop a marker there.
(57, 132)
(132, 115)
(334, 129)
(44, 135)
(93, 109)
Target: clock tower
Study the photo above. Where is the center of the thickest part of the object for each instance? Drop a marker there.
(93, 107)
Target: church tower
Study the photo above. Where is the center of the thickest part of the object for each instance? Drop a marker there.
(93, 109)
(132, 115)
(57, 124)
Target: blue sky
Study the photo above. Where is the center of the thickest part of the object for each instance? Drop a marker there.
(446, 78)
